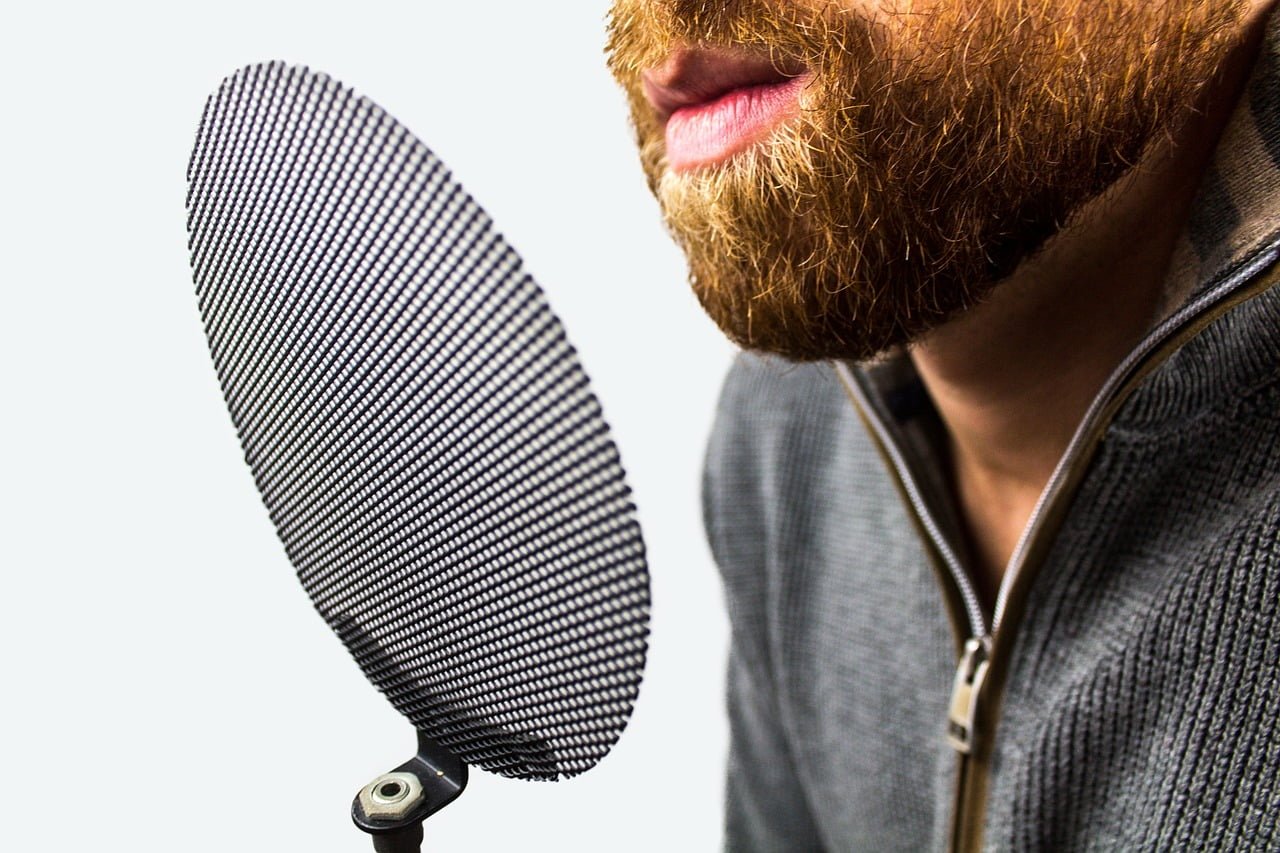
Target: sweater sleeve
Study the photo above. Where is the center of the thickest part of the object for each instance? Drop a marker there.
(766, 808)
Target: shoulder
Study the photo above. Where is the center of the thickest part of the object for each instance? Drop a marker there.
(775, 418)
(771, 409)
(787, 455)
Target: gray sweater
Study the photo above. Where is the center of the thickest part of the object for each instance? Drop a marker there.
(1128, 696)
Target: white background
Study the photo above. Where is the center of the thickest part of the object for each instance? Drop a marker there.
(166, 685)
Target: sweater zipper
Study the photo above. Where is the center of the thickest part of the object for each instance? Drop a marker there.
(978, 684)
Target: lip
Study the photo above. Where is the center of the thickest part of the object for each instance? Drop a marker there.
(714, 103)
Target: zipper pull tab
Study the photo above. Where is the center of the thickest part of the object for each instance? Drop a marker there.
(970, 675)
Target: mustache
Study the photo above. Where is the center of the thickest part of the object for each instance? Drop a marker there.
(641, 33)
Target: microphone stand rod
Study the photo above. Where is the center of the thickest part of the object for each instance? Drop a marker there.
(407, 840)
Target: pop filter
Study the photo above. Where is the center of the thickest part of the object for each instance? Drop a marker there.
(422, 435)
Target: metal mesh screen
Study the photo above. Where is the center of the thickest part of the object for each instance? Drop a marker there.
(418, 425)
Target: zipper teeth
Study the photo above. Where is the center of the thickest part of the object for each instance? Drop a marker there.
(977, 620)
(1244, 274)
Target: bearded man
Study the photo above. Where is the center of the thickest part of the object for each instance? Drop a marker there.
(995, 491)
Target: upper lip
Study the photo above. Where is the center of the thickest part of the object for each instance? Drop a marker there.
(692, 76)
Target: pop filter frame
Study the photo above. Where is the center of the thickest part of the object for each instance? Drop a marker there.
(422, 434)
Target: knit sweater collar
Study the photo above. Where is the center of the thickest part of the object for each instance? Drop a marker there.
(1232, 239)
(1236, 214)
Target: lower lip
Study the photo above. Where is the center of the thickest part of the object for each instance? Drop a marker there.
(710, 133)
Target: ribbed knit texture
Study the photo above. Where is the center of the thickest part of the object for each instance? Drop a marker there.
(1142, 705)
(1142, 710)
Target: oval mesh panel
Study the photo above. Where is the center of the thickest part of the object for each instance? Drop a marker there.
(418, 425)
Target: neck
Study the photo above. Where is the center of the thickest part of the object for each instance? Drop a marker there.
(1013, 377)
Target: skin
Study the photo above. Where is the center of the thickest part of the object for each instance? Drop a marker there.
(1014, 376)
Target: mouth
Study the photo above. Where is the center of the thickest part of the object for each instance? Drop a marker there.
(715, 103)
